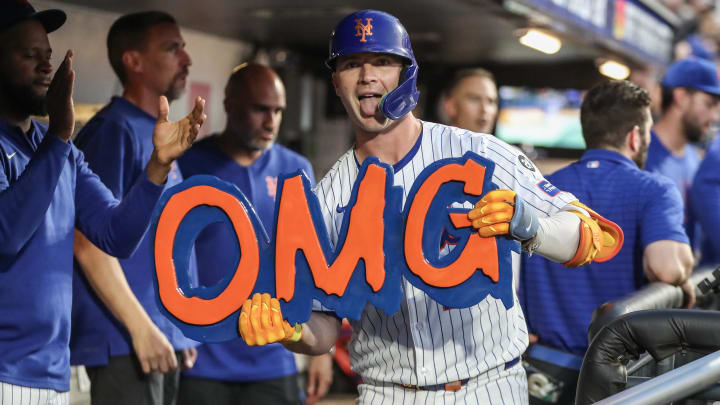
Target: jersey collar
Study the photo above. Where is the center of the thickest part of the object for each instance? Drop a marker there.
(406, 159)
(607, 155)
(129, 107)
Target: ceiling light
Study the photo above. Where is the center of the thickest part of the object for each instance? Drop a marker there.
(541, 41)
(614, 70)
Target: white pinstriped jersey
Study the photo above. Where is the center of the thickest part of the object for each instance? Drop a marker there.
(11, 394)
(423, 343)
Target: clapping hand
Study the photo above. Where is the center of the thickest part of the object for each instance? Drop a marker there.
(172, 139)
(59, 100)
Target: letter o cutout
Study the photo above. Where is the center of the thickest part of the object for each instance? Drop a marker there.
(194, 310)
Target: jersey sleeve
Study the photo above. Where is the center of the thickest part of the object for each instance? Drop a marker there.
(111, 154)
(515, 171)
(662, 216)
(25, 201)
(115, 227)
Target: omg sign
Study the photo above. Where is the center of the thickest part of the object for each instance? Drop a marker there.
(429, 242)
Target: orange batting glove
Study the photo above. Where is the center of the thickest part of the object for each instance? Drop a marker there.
(502, 212)
(261, 322)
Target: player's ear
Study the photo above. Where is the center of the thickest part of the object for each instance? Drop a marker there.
(132, 61)
(681, 97)
(634, 139)
(335, 83)
(449, 107)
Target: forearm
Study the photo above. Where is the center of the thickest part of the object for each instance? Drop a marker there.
(668, 261)
(557, 237)
(107, 279)
(25, 201)
(156, 170)
(116, 228)
(319, 334)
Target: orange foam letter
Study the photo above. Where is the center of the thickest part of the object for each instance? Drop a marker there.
(296, 232)
(479, 253)
(194, 310)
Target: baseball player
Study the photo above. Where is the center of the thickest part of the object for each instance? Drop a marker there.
(136, 367)
(426, 352)
(471, 100)
(46, 190)
(690, 105)
(246, 155)
(558, 304)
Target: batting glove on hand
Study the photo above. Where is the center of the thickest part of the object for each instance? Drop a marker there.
(502, 212)
(261, 322)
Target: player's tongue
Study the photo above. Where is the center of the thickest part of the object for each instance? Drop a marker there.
(369, 104)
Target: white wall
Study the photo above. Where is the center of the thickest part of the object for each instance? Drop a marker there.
(86, 32)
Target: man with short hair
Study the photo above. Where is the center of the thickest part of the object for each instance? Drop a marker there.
(471, 100)
(426, 352)
(246, 155)
(134, 360)
(46, 190)
(690, 105)
(558, 304)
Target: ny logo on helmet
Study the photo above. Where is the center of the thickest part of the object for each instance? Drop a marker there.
(363, 29)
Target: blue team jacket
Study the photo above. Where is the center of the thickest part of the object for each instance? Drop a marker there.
(46, 190)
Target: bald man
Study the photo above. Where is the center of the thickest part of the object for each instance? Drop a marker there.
(246, 154)
(471, 100)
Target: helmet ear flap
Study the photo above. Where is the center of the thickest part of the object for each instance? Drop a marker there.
(403, 98)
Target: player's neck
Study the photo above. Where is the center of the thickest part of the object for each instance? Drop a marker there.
(389, 146)
(238, 152)
(144, 98)
(669, 131)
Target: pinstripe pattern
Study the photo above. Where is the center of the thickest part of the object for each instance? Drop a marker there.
(503, 387)
(422, 344)
(11, 394)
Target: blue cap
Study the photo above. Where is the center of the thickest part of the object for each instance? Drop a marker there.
(693, 73)
(15, 11)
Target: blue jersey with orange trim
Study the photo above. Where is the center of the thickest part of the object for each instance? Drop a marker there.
(558, 301)
(117, 143)
(234, 360)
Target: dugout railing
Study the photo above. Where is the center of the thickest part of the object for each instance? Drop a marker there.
(643, 352)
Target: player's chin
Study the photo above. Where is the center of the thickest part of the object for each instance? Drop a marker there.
(374, 124)
(265, 145)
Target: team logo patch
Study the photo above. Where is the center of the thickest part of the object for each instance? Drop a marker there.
(174, 171)
(271, 183)
(593, 164)
(548, 188)
(526, 163)
(363, 29)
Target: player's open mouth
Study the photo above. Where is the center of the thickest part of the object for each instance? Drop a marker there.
(369, 103)
(369, 95)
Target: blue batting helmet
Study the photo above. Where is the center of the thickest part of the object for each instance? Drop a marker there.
(379, 32)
